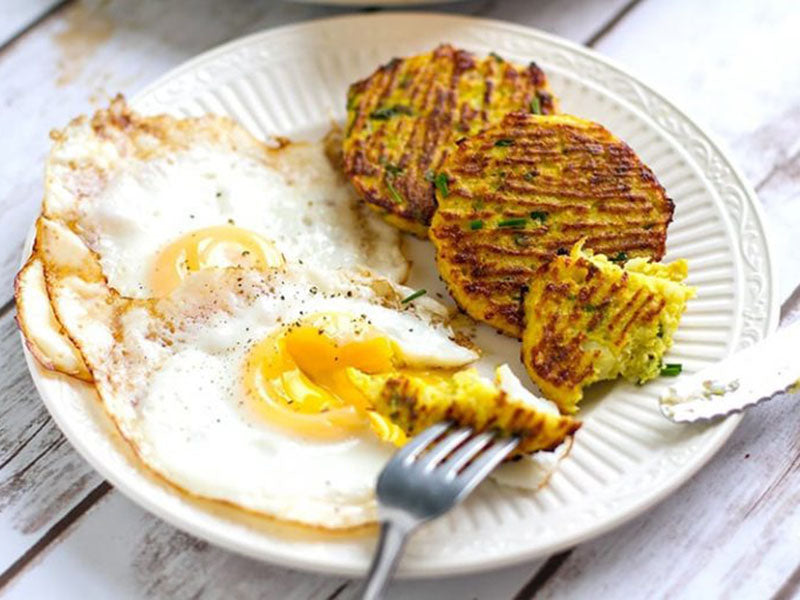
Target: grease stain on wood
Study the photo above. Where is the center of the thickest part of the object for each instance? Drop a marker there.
(86, 28)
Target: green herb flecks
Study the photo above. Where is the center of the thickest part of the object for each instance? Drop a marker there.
(440, 181)
(396, 197)
(620, 257)
(513, 223)
(536, 105)
(413, 296)
(387, 112)
(671, 369)
(497, 57)
(392, 169)
(530, 175)
(539, 215)
(590, 308)
(504, 142)
(476, 224)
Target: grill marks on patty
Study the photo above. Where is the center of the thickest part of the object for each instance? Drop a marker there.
(403, 121)
(528, 188)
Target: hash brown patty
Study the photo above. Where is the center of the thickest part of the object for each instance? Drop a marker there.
(587, 319)
(528, 188)
(403, 119)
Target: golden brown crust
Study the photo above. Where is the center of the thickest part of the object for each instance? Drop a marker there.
(528, 188)
(400, 400)
(403, 120)
(588, 319)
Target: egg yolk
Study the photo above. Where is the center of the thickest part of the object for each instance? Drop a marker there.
(220, 246)
(298, 380)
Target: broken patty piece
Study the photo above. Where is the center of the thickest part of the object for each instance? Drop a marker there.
(588, 318)
(415, 402)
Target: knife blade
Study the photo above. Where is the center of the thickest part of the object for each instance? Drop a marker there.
(760, 372)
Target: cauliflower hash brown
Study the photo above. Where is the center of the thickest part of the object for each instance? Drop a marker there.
(587, 319)
(532, 186)
(403, 119)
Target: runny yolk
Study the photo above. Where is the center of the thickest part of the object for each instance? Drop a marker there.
(219, 246)
(298, 380)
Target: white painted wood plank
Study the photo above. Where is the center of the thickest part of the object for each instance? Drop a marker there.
(780, 193)
(734, 68)
(16, 15)
(77, 94)
(120, 551)
(41, 477)
(91, 50)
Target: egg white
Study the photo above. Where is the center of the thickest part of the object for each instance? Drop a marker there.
(171, 378)
(129, 193)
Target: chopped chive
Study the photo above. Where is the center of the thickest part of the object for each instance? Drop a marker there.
(539, 215)
(513, 223)
(496, 56)
(393, 169)
(441, 184)
(520, 240)
(589, 308)
(671, 369)
(398, 199)
(536, 105)
(504, 142)
(620, 257)
(649, 226)
(476, 224)
(413, 296)
(387, 112)
(530, 175)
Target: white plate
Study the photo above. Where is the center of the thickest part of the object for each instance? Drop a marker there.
(292, 81)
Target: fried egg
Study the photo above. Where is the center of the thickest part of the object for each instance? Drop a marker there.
(158, 197)
(234, 386)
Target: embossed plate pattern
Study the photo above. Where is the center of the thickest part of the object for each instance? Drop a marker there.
(291, 81)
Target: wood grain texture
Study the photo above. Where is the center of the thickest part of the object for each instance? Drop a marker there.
(738, 514)
(120, 551)
(780, 194)
(41, 476)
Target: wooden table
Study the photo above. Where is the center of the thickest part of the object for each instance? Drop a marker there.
(732, 531)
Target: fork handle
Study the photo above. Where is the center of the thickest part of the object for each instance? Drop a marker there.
(390, 546)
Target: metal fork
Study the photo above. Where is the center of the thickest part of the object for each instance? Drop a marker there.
(416, 486)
